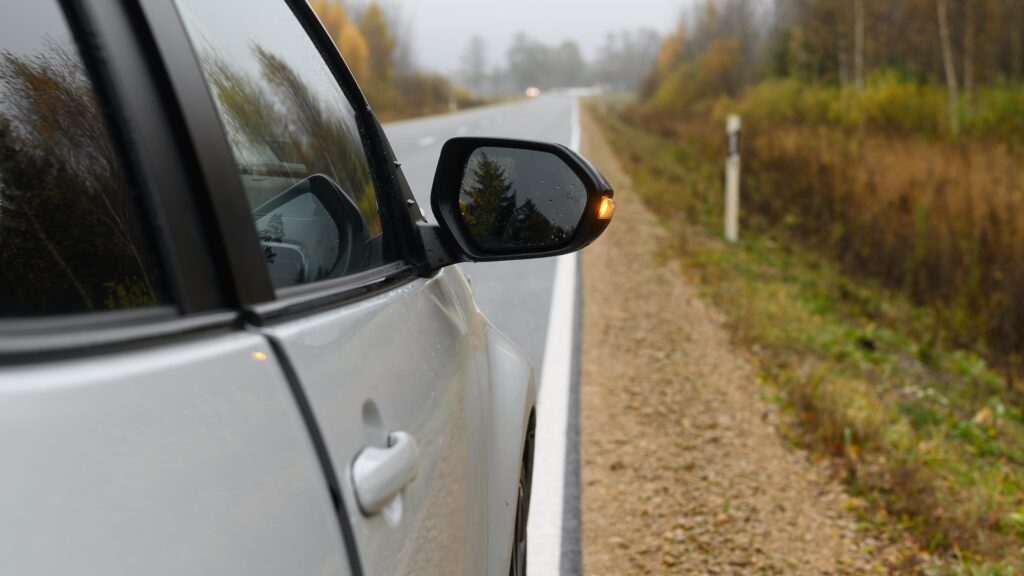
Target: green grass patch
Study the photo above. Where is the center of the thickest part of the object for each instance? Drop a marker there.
(922, 429)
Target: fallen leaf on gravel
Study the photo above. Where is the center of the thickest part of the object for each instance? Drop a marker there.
(739, 561)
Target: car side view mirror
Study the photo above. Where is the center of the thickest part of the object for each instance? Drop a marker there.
(501, 199)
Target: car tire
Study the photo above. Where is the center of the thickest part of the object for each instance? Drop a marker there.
(518, 564)
(517, 567)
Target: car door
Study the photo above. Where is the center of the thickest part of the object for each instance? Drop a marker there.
(388, 362)
(141, 431)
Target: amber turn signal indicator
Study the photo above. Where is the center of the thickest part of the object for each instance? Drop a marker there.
(606, 209)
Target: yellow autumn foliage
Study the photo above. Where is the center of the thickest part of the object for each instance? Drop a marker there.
(670, 51)
(332, 14)
(346, 35)
(369, 48)
(353, 47)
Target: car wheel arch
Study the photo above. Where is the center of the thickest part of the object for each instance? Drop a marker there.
(511, 415)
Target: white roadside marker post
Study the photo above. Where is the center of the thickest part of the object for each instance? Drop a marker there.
(732, 179)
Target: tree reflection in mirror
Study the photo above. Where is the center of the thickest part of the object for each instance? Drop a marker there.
(513, 199)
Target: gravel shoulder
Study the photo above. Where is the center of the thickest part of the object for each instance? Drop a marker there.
(683, 469)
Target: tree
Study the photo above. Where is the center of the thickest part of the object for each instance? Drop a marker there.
(474, 63)
(667, 56)
(969, 49)
(569, 67)
(526, 62)
(858, 43)
(379, 54)
(381, 46)
(487, 200)
(625, 58)
(353, 48)
(1016, 10)
(843, 44)
(274, 118)
(71, 236)
(949, 66)
(532, 227)
(671, 50)
(531, 63)
(332, 15)
(346, 35)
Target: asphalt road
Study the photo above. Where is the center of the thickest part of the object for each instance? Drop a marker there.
(517, 298)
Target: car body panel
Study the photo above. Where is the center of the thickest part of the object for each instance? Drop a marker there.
(510, 399)
(196, 449)
(415, 360)
(190, 458)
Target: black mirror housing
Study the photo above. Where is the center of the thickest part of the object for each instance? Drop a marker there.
(503, 199)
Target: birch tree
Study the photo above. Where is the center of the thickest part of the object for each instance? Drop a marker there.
(858, 43)
(942, 8)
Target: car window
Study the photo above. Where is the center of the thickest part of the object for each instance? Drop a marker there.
(72, 236)
(295, 140)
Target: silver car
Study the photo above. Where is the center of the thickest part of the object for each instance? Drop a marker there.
(231, 344)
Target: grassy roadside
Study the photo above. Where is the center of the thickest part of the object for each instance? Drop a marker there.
(918, 429)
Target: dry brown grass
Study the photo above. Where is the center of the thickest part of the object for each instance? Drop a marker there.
(924, 432)
(943, 221)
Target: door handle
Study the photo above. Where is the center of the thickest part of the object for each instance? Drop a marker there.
(378, 474)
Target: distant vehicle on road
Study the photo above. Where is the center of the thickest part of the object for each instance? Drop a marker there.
(231, 342)
(532, 92)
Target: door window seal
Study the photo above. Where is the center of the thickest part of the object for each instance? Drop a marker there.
(24, 341)
(299, 301)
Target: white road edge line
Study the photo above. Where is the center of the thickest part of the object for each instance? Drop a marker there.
(544, 554)
(426, 141)
(574, 143)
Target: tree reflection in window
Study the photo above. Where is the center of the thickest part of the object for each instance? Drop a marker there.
(279, 128)
(70, 235)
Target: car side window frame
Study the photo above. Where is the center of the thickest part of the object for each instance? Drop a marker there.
(394, 200)
(230, 205)
(394, 203)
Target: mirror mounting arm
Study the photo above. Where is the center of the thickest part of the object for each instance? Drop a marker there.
(438, 250)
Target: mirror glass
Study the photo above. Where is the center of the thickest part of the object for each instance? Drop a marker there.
(513, 199)
(300, 239)
(315, 231)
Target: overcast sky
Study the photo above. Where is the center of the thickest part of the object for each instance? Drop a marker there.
(442, 28)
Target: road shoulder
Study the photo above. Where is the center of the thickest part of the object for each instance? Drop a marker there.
(683, 469)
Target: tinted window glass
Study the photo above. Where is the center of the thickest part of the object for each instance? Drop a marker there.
(71, 232)
(294, 137)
